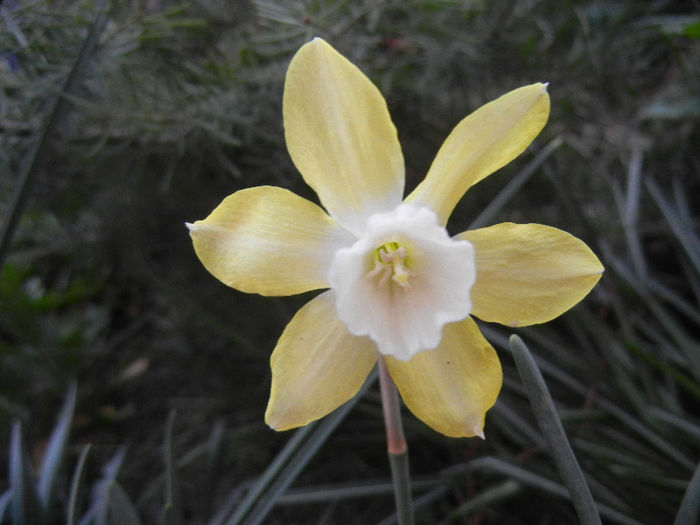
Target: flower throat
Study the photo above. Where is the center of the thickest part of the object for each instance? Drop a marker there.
(390, 263)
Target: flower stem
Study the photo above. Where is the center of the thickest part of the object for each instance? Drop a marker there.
(396, 446)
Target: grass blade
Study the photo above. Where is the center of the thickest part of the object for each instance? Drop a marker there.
(13, 27)
(271, 473)
(628, 420)
(553, 431)
(215, 446)
(512, 188)
(24, 507)
(298, 462)
(630, 215)
(76, 486)
(38, 155)
(119, 509)
(5, 501)
(683, 232)
(25, 504)
(689, 511)
(495, 465)
(56, 450)
(171, 509)
(100, 502)
(266, 500)
(327, 493)
(683, 424)
(488, 498)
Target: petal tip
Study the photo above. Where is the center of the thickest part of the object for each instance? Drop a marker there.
(270, 421)
(597, 267)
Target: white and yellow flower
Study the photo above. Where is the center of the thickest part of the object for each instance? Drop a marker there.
(399, 287)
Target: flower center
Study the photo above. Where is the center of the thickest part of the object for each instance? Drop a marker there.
(402, 280)
(390, 262)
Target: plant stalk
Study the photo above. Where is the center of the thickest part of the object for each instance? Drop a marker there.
(396, 446)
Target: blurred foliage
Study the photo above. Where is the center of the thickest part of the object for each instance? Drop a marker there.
(180, 105)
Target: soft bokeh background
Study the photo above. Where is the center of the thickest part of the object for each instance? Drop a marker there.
(179, 104)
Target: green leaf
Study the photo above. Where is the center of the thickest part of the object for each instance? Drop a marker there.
(56, 450)
(553, 431)
(77, 487)
(692, 30)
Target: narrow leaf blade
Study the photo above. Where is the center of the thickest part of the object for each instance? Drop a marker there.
(121, 508)
(171, 507)
(76, 487)
(553, 431)
(5, 501)
(24, 505)
(689, 511)
(56, 450)
(301, 458)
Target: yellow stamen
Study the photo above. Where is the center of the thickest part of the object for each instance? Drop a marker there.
(389, 262)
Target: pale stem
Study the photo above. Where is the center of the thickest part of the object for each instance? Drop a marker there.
(396, 445)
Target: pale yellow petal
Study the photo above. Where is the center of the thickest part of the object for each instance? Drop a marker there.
(529, 273)
(480, 144)
(268, 240)
(316, 367)
(451, 387)
(340, 135)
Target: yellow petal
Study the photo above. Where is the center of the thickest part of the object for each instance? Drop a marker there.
(268, 240)
(529, 273)
(480, 144)
(340, 135)
(451, 387)
(316, 367)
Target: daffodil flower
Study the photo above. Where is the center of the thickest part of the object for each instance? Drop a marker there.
(400, 288)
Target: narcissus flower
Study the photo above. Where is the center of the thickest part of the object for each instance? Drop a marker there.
(399, 287)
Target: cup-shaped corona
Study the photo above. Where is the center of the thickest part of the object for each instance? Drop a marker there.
(403, 280)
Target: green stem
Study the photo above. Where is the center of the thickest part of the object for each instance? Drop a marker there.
(396, 446)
